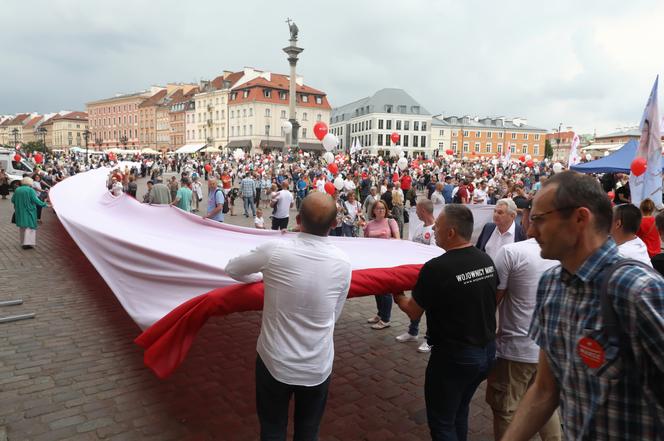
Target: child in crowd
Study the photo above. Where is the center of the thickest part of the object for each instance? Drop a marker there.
(258, 220)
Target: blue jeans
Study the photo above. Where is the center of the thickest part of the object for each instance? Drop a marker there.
(273, 398)
(414, 327)
(249, 204)
(452, 377)
(384, 305)
(348, 230)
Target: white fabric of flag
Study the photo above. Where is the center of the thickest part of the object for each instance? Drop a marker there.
(649, 184)
(574, 157)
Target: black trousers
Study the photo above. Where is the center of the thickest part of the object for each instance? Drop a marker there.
(279, 223)
(273, 398)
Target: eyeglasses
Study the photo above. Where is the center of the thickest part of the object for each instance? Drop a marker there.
(538, 217)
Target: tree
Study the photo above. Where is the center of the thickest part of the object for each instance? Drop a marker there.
(548, 149)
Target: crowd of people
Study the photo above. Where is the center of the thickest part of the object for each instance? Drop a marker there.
(523, 305)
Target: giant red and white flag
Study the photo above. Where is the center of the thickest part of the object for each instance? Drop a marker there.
(166, 267)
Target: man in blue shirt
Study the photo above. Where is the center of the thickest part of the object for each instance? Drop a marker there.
(448, 189)
(215, 201)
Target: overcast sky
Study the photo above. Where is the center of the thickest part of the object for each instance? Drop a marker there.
(586, 64)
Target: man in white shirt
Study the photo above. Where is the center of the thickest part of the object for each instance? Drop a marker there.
(480, 194)
(502, 231)
(423, 234)
(626, 222)
(437, 197)
(281, 206)
(295, 346)
(519, 267)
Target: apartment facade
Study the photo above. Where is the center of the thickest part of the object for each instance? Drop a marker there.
(258, 106)
(371, 121)
(177, 117)
(489, 137)
(113, 119)
(66, 131)
(11, 130)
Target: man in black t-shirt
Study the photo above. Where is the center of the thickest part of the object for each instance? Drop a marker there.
(458, 292)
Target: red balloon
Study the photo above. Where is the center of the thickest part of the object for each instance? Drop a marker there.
(320, 130)
(522, 158)
(395, 137)
(530, 163)
(638, 166)
(611, 195)
(381, 163)
(449, 152)
(333, 168)
(17, 157)
(39, 158)
(329, 188)
(208, 168)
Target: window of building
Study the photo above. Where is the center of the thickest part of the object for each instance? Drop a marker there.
(478, 134)
(305, 98)
(441, 132)
(454, 146)
(232, 115)
(477, 147)
(380, 126)
(537, 136)
(282, 95)
(304, 116)
(388, 108)
(267, 93)
(415, 110)
(397, 125)
(267, 130)
(415, 141)
(465, 147)
(401, 109)
(244, 130)
(513, 148)
(499, 149)
(380, 138)
(233, 95)
(217, 132)
(536, 149)
(319, 117)
(488, 148)
(388, 124)
(406, 125)
(524, 148)
(244, 112)
(319, 99)
(405, 140)
(465, 133)
(489, 134)
(304, 132)
(416, 127)
(525, 136)
(424, 126)
(423, 141)
(245, 93)
(501, 135)
(513, 135)
(267, 112)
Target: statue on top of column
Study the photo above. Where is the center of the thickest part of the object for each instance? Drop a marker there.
(293, 29)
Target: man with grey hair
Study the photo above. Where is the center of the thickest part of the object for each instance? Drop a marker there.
(462, 323)
(160, 193)
(503, 230)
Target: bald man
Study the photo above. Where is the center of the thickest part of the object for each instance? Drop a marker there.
(295, 346)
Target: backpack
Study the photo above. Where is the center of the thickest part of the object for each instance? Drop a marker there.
(225, 209)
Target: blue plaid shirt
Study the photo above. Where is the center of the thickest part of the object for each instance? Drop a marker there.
(248, 187)
(609, 402)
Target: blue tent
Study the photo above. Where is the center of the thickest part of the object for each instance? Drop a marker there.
(617, 162)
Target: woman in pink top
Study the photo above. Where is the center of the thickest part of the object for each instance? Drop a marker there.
(381, 227)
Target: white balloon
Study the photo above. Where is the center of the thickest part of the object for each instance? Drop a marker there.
(589, 156)
(402, 163)
(528, 157)
(330, 142)
(606, 153)
(494, 162)
(238, 154)
(287, 126)
(557, 167)
(527, 169)
(339, 183)
(397, 151)
(328, 157)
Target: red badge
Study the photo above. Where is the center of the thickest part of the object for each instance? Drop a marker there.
(591, 352)
(427, 235)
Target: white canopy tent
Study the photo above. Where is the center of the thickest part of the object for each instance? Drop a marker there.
(189, 148)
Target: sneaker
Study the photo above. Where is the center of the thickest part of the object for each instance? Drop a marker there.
(374, 319)
(380, 325)
(424, 347)
(406, 337)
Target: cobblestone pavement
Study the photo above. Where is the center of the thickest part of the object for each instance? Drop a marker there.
(73, 373)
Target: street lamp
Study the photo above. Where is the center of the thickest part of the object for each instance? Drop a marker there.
(86, 136)
(560, 126)
(41, 131)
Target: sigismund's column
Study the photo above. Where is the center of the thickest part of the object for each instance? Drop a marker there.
(292, 51)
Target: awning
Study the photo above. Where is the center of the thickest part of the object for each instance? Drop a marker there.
(149, 151)
(315, 146)
(239, 144)
(271, 144)
(210, 149)
(190, 148)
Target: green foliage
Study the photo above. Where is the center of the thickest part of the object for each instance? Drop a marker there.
(548, 149)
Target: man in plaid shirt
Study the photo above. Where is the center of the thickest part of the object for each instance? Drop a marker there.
(248, 190)
(605, 391)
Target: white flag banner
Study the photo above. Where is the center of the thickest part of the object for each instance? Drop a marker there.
(649, 184)
(574, 157)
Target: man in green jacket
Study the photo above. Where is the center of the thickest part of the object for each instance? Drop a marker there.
(25, 202)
